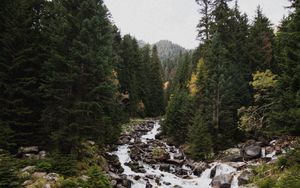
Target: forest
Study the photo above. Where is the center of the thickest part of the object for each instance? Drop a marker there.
(71, 84)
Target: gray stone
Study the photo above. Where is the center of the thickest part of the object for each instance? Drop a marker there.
(252, 152)
(222, 181)
(52, 177)
(31, 149)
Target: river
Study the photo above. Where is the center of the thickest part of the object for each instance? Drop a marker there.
(153, 176)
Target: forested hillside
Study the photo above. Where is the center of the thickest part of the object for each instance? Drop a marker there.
(71, 86)
(67, 76)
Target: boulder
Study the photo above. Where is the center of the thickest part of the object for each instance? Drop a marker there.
(31, 149)
(245, 177)
(114, 176)
(178, 156)
(52, 177)
(199, 167)
(231, 155)
(175, 161)
(47, 185)
(237, 165)
(222, 181)
(29, 169)
(42, 154)
(38, 175)
(251, 152)
(164, 167)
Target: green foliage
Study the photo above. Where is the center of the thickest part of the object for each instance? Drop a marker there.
(253, 118)
(44, 166)
(8, 171)
(283, 173)
(178, 117)
(200, 141)
(97, 179)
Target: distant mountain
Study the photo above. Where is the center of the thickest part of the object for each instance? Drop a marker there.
(168, 50)
(169, 55)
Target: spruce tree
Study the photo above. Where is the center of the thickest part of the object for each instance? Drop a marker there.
(21, 60)
(200, 140)
(261, 42)
(78, 84)
(285, 113)
(156, 107)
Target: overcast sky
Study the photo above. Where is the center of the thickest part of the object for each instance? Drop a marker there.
(176, 20)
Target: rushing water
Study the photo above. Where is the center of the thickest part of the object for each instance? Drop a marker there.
(169, 179)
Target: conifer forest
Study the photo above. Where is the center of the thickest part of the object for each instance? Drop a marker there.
(84, 105)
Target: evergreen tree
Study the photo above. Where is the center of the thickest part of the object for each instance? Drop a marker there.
(78, 82)
(21, 60)
(178, 117)
(261, 41)
(200, 140)
(128, 72)
(205, 21)
(285, 113)
(156, 86)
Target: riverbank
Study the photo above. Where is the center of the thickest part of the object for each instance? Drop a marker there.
(142, 160)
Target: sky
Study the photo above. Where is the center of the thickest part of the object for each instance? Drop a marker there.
(176, 20)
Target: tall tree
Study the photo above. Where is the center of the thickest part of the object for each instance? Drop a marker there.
(261, 41)
(285, 113)
(156, 85)
(78, 82)
(21, 60)
(205, 21)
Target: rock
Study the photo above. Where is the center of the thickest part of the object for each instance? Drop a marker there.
(177, 186)
(148, 185)
(38, 175)
(84, 178)
(149, 176)
(222, 181)
(178, 156)
(159, 136)
(164, 167)
(114, 176)
(29, 169)
(199, 167)
(42, 154)
(245, 177)
(237, 165)
(175, 161)
(181, 172)
(47, 185)
(91, 143)
(31, 149)
(113, 183)
(167, 183)
(126, 183)
(213, 172)
(52, 177)
(27, 182)
(137, 177)
(251, 152)
(231, 155)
